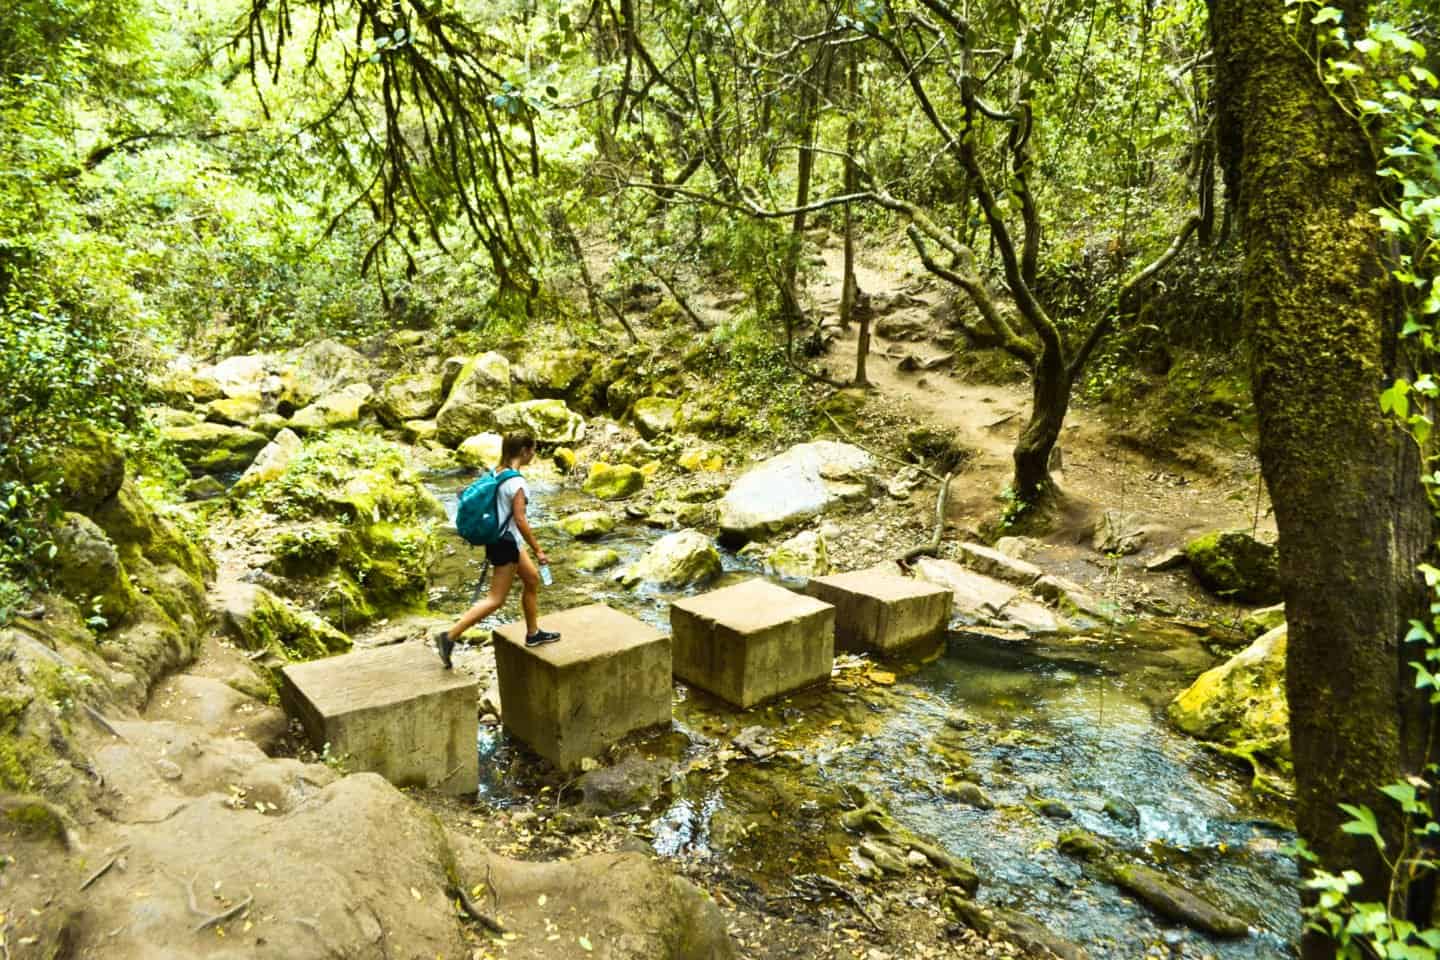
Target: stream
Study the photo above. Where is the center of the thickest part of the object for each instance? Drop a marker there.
(1075, 720)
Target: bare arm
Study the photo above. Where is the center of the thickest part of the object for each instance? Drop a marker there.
(517, 508)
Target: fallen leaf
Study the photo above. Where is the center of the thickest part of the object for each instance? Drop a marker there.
(585, 944)
(540, 901)
(415, 893)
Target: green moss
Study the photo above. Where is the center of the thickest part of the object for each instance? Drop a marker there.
(1234, 564)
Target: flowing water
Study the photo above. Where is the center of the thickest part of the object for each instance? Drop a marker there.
(1078, 721)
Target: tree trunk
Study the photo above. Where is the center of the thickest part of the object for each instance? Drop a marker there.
(849, 288)
(1050, 401)
(1351, 514)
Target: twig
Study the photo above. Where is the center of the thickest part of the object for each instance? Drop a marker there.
(224, 915)
(840, 890)
(106, 868)
(883, 456)
(100, 721)
(473, 911)
(931, 548)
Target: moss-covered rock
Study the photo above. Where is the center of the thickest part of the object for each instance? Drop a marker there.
(1262, 621)
(617, 482)
(592, 561)
(1234, 564)
(702, 460)
(257, 620)
(588, 525)
(656, 416)
(214, 447)
(415, 396)
(418, 431)
(240, 411)
(139, 529)
(548, 421)
(591, 396)
(682, 559)
(1241, 702)
(86, 471)
(343, 408)
(481, 385)
(203, 488)
(803, 556)
(271, 462)
(88, 570)
(565, 459)
(481, 451)
(180, 387)
(320, 367)
(556, 374)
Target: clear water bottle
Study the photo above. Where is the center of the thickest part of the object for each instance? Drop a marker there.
(545, 577)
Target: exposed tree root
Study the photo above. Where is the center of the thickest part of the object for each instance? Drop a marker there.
(932, 547)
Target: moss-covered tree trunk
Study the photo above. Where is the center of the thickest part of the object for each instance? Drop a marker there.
(1351, 515)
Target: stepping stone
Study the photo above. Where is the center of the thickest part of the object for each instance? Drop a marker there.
(993, 563)
(390, 710)
(882, 612)
(752, 641)
(607, 677)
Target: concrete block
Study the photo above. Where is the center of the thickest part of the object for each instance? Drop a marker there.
(752, 641)
(882, 612)
(393, 711)
(607, 676)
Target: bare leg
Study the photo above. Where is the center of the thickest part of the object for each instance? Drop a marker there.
(530, 592)
(500, 582)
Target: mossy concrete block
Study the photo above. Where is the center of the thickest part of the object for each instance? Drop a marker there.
(752, 641)
(607, 677)
(881, 612)
(392, 710)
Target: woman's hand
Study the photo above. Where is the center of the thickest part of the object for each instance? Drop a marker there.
(542, 557)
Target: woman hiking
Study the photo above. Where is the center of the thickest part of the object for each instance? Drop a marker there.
(508, 555)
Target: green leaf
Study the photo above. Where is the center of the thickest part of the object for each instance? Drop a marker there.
(1327, 15)
(1396, 399)
(1399, 792)
(1363, 824)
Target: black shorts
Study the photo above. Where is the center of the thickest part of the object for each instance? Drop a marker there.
(502, 554)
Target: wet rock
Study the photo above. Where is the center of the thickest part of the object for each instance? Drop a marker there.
(1027, 934)
(588, 525)
(271, 462)
(884, 856)
(869, 818)
(802, 556)
(788, 489)
(481, 451)
(1122, 811)
(755, 742)
(214, 447)
(632, 784)
(970, 794)
(548, 421)
(655, 416)
(334, 410)
(616, 482)
(1235, 564)
(1242, 701)
(481, 385)
(995, 564)
(1054, 809)
(1074, 600)
(592, 561)
(682, 559)
(1262, 621)
(415, 396)
(1118, 534)
(953, 870)
(202, 489)
(977, 597)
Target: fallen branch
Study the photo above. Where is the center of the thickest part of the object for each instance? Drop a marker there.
(883, 456)
(933, 546)
(473, 911)
(224, 915)
(100, 721)
(106, 868)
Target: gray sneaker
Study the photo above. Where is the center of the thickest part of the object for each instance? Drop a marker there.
(541, 636)
(444, 646)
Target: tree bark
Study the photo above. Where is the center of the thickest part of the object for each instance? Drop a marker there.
(1050, 384)
(1351, 514)
(849, 288)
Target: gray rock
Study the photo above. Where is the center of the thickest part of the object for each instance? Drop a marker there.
(681, 559)
(993, 563)
(655, 416)
(1172, 559)
(482, 385)
(548, 421)
(1075, 600)
(204, 488)
(415, 396)
(970, 794)
(977, 597)
(631, 784)
(1118, 533)
(788, 489)
(1054, 809)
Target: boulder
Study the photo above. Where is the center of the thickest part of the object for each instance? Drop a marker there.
(1242, 701)
(180, 386)
(803, 556)
(241, 411)
(88, 570)
(318, 368)
(334, 410)
(1118, 534)
(1032, 617)
(145, 536)
(203, 488)
(481, 450)
(257, 620)
(271, 462)
(85, 472)
(239, 376)
(613, 482)
(632, 784)
(682, 559)
(588, 525)
(1236, 565)
(414, 396)
(552, 374)
(481, 385)
(789, 489)
(548, 421)
(655, 416)
(592, 561)
(1262, 621)
(418, 431)
(214, 447)
(1074, 600)
(977, 597)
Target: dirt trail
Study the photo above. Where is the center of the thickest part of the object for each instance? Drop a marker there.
(1095, 472)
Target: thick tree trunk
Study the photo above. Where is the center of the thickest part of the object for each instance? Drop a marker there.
(1351, 514)
(1050, 401)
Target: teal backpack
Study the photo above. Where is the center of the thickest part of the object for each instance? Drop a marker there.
(478, 516)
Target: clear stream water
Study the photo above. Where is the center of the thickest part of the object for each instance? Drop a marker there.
(1078, 721)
